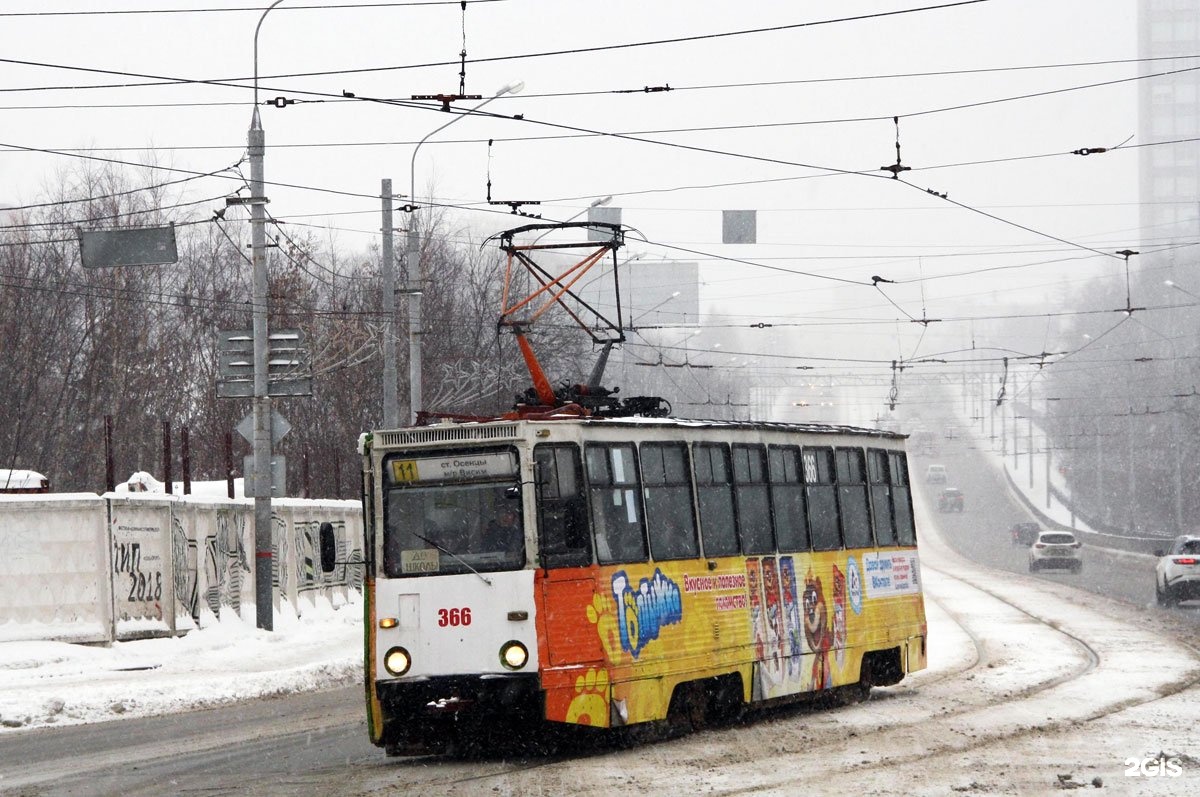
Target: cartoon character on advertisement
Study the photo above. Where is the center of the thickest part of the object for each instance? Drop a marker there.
(839, 616)
(774, 617)
(816, 631)
(757, 621)
(794, 632)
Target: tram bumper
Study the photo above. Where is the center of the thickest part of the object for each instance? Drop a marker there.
(419, 715)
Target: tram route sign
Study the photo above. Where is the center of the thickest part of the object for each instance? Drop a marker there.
(289, 369)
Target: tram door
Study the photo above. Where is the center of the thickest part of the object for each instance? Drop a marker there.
(567, 577)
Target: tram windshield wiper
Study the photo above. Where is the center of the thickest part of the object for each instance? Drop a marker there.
(449, 552)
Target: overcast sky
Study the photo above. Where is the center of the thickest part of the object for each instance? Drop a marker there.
(770, 119)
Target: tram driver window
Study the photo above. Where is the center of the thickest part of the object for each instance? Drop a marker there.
(614, 497)
(562, 507)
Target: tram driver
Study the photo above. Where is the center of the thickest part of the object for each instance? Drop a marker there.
(503, 532)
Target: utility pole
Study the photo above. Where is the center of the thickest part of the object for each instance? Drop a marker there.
(412, 286)
(387, 270)
(1030, 444)
(263, 556)
(262, 402)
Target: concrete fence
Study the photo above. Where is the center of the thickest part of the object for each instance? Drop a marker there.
(85, 568)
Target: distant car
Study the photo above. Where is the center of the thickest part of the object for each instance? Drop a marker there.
(935, 474)
(950, 500)
(1177, 572)
(1024, 534)
(1055, 549)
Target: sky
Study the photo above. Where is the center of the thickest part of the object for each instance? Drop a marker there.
(793, 117)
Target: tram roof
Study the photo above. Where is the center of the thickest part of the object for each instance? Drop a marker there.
(689, 423)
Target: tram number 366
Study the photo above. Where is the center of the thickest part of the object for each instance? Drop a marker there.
(454, 616)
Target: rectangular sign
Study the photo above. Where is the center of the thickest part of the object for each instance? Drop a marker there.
(892, 573)
(459, 467)
(420, 561)
(151, 246)
(276, 487)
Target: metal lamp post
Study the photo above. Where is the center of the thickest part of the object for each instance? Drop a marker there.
(412, 269)
(256, 140)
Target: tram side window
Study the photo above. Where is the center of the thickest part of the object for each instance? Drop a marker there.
(787, 499)
(562, 507)
(881, 497)
(901, 498)
(613, 494)
(715, 493)
(753, 502)
(670, 518)
(852, 498)
(822, 498)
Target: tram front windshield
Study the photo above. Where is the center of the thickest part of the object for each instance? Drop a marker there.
(447, 524)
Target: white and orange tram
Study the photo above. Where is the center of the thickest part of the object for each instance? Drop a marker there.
(615, 571)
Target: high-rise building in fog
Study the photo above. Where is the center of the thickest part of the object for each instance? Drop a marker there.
(1169, 110)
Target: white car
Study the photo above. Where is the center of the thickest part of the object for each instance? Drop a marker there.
(1177, 573)
(1055, 549)
(935, 474)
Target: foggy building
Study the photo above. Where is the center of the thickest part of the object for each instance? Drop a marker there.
(1169, 110)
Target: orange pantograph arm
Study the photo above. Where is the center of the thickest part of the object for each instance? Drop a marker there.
(541, 384)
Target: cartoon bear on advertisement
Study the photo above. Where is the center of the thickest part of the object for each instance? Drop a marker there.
(839, 617)
(817, 631)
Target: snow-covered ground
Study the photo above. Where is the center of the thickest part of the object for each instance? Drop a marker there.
(226, 660)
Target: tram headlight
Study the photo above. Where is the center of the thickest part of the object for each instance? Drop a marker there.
(514, 655)
(397, 661)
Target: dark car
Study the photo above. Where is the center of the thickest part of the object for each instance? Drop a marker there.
(1024, 534)
(950, 500)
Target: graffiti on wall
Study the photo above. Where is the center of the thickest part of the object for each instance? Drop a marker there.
(226, 563)
(139, 564)
(183, 565)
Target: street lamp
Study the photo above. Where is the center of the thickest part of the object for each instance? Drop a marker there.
(412, 271)
(256, 146)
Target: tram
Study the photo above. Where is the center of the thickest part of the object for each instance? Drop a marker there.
(586, 562)
(609, 572)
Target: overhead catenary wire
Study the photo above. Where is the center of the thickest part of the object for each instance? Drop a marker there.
(159, 80)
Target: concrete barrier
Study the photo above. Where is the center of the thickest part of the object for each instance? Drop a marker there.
(87, 568)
